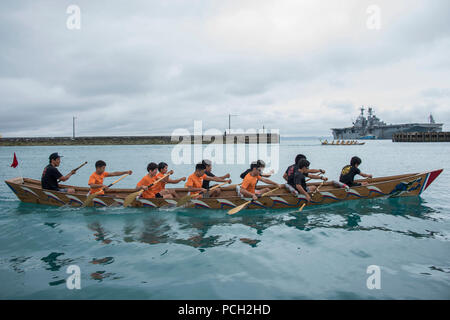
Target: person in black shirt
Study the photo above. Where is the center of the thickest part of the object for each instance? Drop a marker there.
(299, 181)
(215, 192)
(292, 169)
(349, 172)
(51, 175)
(262, 165)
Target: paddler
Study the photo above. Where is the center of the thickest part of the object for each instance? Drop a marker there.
(349, 172)
(298, 183)
(51, 175)
(195, 181)
(248, 187)
(96, 178)
(292, 170)
(147, 181)
(262, 166)
(160, 187)
(205, 185)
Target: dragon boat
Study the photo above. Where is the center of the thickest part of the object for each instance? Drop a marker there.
(342, 143)
(30, 191)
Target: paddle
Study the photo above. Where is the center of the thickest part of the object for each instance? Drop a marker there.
(188, 197)
(317, 189)
(91, 197)
(76, 169)
(130, 198)
(242, 206)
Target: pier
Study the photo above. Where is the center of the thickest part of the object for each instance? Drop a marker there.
(421, 137)
(250, 138)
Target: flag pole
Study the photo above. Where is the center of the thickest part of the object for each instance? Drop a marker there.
(21, 174)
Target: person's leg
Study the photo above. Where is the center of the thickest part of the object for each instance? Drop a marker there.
(291, 189)
(173, 193)
(214, 193)
(261, 191)
(311, 188)
(165, 194)
(70, 190)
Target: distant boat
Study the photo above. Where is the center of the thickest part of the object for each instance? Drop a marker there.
(342, 143)
(372, 126)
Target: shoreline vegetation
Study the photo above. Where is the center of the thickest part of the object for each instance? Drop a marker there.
(269, 138)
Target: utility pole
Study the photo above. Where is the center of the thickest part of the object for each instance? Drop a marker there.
(73, 128)
(229, 121)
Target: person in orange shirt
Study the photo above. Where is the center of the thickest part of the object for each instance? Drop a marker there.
(195, 181)
(96, 178)
(248, 187)
(160, 187)
(147, 181)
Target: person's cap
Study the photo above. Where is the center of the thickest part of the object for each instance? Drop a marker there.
(207, 162)
(54, 156)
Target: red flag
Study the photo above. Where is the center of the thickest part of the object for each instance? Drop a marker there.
(15, 163)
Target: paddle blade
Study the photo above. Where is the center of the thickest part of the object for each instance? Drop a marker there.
(238, 208)
(130, 198)
(183, 200)
(89, 199)
(301, 208)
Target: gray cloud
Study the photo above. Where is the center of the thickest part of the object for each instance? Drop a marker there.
(149, 67)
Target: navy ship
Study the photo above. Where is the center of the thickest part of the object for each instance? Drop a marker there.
(373, 128)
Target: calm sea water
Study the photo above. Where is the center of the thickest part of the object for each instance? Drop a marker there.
(320, 253)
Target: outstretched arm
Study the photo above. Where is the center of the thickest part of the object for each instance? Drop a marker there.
(225, 176)
(217, 179)
(365, 175)
(316, 171)
(119, 173)
(314, 176)
(66, 177)
(268, 181)
(175, 181)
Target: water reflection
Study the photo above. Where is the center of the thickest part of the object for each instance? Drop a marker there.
(192, 227)
(100, 234)
(54, 263)
(348, 215)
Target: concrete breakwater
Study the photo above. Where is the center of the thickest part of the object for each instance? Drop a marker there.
(258, 138)
(421, 137)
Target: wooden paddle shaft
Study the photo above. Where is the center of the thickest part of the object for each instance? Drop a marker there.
(76, 169)
(265, 194)
(217, 186)
(153, 183)
(111, 184)
(242, 206)
(317, 189)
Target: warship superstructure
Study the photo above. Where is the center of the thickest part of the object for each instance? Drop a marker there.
(371, 127)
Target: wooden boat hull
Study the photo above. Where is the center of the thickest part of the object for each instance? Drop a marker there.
(395, 186)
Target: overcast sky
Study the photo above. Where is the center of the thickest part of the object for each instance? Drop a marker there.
(149, 67)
